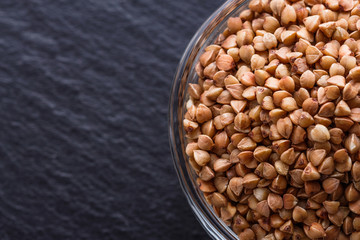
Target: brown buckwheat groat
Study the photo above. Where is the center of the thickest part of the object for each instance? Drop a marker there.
(272, 124)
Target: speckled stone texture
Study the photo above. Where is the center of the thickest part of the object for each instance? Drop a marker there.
(84, 87)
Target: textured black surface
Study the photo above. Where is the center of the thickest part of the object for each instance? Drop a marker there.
(84, 87)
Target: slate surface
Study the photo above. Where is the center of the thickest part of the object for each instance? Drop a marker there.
(84, 87)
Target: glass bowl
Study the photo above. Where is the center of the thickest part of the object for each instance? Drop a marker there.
(185, 74)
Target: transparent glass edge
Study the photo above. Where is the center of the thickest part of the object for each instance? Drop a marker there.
(213, 225)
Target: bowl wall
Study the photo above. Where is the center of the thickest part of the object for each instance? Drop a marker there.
(185, 74)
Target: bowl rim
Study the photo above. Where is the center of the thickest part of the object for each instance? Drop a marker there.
(213, 225)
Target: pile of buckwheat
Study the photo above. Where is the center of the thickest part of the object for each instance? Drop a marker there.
(273, 122)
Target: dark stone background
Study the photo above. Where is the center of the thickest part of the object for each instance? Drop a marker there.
(84, 88)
